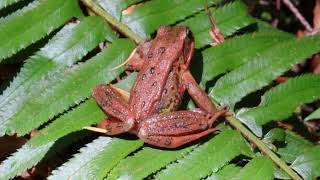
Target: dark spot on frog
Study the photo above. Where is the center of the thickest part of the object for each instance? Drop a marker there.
(119, 125)
(168, 141)
(143, 104)
(152, 69)
(154, 83)
(144, 77)
(165, 90)
(150, 55)
(161, 50)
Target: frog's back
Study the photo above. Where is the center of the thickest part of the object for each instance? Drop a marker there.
(152, 79)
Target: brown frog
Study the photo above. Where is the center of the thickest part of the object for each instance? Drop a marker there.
(164, 76)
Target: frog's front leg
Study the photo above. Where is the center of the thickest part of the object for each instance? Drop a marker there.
(197, 94)
(174, 129)
(137, 57)
(115, 105)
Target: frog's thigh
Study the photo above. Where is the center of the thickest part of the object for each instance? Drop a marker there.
(174, 141)
(113, 103)
(175, 123)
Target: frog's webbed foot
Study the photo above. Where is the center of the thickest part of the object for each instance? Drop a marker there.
(115, 105)
(174, 129)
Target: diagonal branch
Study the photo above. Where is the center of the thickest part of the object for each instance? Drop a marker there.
(253, 139)
(298, 15)
(123, 28)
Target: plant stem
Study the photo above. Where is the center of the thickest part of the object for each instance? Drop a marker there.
(252, 138)
(96, 8)
(298, 15)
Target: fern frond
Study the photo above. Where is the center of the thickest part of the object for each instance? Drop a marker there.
(146, 18)
(96, 159)
(5, 3)
(227, 172)
(308, 163)
(74, 88)
(207, 158)
(115, 7)
(44, 69)
(261, 70)
(146, 162)
(236, 51)
(86, 114)
(260, 167)
(281, 101)
(23, 159)
(229, 18)
(17, 163)
(295, 145)
(32, 23)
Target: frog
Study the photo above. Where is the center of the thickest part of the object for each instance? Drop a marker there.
(151, 112)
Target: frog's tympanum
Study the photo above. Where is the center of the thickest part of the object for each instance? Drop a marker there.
(163, 65)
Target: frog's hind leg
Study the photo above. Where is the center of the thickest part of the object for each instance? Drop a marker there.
(176, 141)
(174, 129)
(116, 106)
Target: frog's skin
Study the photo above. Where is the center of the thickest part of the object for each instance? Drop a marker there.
(164, 76)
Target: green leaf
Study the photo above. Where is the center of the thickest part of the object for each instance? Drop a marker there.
(74, 88)
(258, 168)
(292, 93)
(96, 159)
(229, 18)
(86, 114)
(261, 70)
(314, 115)
(127, 83)
(295, 145)
(308, 163)
(47, 67)
(146, 162)
(33, 22)
(227, 172)
(146, 18)
(207, 158)
(115, 7)
(237, 51)
(5, 3)
(23, 159)
(275, 134)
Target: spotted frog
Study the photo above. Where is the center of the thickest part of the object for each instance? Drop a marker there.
(163, 77)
